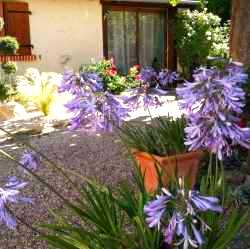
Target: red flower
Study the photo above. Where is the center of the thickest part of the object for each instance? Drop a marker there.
(138, 77)
(138, 67)
(111, 72)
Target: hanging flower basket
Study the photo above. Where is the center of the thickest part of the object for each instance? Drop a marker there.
(183, 165)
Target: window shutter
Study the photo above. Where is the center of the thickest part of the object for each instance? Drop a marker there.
(16, 18)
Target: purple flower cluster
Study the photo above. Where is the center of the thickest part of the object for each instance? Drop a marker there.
(154, 79)
(184, 227)
(149, 76)
(213, 104)
(152, 86)
(70, 83)
(144, 96)
(10, 194)
(30, 161)
(167, 77)
(93, 108)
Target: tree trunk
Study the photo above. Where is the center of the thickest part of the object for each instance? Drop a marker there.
(240, 37)
(240, 31)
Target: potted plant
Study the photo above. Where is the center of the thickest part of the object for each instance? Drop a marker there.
(160, 151)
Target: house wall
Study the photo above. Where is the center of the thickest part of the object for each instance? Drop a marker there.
(66, 33)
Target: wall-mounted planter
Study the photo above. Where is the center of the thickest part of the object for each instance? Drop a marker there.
(184, 165)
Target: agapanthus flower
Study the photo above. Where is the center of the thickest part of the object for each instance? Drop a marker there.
(213, 104)
(155, 210)
(114, 112)
(10, 194)
(84, 109)
(145, 96)
(167, 77)
(94, 109)
(184, 227)
(30, 160)
(70, 82)
(149, 76)
(236, 70)
(93, 80)
(204, 203)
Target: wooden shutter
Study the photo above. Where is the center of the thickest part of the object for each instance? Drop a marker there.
(16, 18)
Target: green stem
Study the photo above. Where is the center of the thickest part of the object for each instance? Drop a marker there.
(51, 163)
(223, 182)
(38, 178)
(216, 169)
(209, 172)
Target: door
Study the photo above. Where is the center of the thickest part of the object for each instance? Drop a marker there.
(135, 36)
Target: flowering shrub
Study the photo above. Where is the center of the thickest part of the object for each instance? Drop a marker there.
(133, 77)
(221, 8)
(199, 35)
(213, 104)
(106, 70)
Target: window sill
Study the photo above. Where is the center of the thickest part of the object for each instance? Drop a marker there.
(4, 58)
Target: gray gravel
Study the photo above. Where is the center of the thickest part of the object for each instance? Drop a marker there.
(92, 156)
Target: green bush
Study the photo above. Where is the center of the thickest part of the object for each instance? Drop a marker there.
(8, 45)
(116, 84)
(9, 67)
(112, 80)
(199, 35)
(222, 8)
(4, 90)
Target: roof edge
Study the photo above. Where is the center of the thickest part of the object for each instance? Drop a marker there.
(183, 3)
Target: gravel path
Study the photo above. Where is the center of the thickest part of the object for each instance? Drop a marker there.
(92, 156)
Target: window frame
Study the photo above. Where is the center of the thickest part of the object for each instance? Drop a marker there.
(169, 12)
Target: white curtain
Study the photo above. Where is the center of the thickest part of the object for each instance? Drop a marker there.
(122, 39)
(151, 36)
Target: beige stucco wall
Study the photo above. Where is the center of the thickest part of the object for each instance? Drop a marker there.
(65, 33)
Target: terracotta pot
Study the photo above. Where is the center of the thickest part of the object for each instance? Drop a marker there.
(182, 165)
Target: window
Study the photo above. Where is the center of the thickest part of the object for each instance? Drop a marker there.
(16, 19)
(135, 36)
